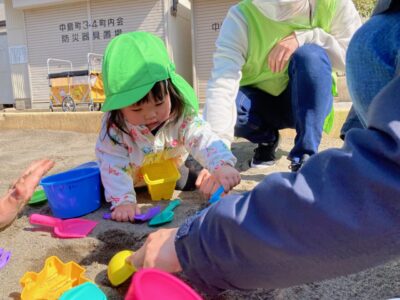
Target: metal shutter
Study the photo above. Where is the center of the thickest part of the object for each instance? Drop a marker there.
(137, 15)
(207, 19)
(46, 27)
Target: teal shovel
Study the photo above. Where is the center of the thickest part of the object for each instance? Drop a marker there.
(166, 216)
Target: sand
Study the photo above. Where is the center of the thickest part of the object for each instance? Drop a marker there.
(30, 247)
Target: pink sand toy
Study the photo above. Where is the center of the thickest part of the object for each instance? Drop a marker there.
(72, 228)
(156, 284)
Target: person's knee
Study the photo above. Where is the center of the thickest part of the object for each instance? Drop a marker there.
(310, 57)
(376, 39)
(359, 48)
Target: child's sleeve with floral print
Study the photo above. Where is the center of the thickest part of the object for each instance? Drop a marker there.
(114, 168)
(204, 145)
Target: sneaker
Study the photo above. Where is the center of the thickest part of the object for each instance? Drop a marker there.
(296, 165)
(264, 155)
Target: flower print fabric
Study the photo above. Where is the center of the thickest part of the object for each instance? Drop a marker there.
(120, 162)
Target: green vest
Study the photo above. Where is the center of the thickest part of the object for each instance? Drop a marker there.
(263, 34)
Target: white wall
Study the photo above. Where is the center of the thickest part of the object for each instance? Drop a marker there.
(2, 16)
(180, 40)
(17, 38)
(2, 12)
(6, 95)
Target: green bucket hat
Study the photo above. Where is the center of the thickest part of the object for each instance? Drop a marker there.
(133, 62)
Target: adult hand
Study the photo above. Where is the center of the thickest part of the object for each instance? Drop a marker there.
(21, 190)
(281, 53)
(158, 252)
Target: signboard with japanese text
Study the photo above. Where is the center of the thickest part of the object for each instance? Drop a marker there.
(98, 29)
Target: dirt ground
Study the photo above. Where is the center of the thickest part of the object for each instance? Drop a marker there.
(30, 247)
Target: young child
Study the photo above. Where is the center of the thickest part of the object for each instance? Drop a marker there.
(152, 114)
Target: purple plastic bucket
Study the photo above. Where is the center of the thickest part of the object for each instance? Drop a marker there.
(73, 193)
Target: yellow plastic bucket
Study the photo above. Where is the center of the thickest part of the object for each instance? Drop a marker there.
(161, 179)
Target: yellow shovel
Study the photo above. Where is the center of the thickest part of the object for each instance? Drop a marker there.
(119, 270)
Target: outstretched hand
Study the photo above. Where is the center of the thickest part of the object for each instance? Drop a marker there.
(281, 53)
(21, 190)
(158, 252)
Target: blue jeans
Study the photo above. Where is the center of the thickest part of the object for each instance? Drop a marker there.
(373, 60)
(303, 106)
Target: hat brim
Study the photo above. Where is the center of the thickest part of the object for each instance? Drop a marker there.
(186, 90)
(127, 98)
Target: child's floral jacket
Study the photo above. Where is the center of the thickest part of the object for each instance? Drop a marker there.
(120, 162)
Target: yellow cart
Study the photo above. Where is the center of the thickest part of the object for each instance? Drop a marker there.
(69, 88)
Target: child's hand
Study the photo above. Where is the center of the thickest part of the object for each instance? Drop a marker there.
(227, 176)
(125, 212)
(203, 176)
(207, 185)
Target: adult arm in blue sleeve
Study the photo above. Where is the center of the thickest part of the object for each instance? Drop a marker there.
(338, 215)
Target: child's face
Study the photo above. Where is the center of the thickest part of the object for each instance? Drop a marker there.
(149, 113)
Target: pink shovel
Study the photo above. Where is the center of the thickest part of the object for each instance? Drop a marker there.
(71, 228)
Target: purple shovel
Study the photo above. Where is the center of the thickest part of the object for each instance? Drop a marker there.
(142, 217)
(4, 257)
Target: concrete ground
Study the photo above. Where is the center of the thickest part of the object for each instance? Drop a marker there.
(31, 246)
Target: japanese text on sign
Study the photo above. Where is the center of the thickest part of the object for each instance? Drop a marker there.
(102, 29)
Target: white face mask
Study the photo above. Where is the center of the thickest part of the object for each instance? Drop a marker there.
(280, 10)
